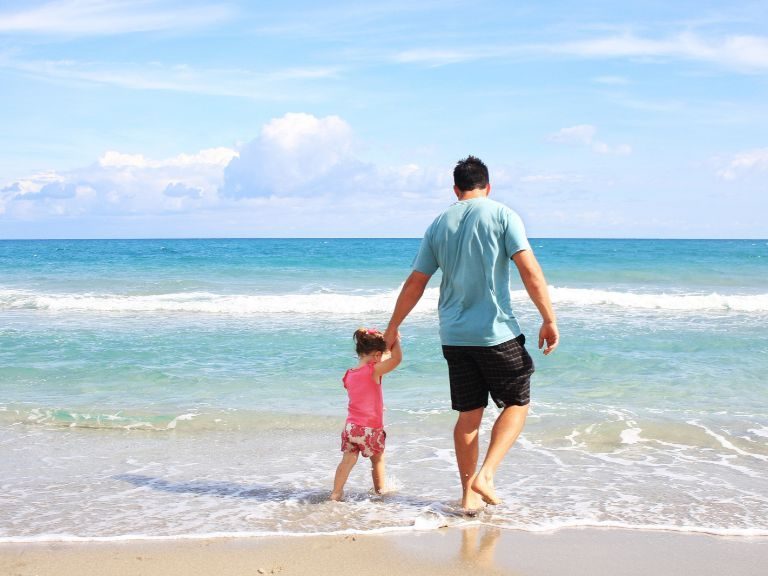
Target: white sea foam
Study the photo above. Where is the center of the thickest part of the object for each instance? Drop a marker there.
(725, 443)
(195, 536)
(192, 422)
(630, 436)
(683, 302)
(203, 302)
(425, 523)
(194, 493)
(176, 420)
(340, 303)
(430, 519)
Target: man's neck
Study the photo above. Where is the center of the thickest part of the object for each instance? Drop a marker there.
(472, 194)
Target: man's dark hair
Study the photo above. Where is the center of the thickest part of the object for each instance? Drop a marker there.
(470, 173)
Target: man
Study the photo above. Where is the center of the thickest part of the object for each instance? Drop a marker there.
(472, 242)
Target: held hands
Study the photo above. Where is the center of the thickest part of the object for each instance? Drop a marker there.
(392, 340)
(391, 337)
(549, 334)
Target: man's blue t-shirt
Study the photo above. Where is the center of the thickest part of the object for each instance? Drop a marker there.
(472, 242)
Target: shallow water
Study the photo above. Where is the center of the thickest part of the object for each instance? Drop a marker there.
(192, 387)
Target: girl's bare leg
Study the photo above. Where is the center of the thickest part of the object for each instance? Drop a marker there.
(378, 472)
(348, 462)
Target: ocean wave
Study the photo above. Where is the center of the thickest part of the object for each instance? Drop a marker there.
(661, 301)
(217, 485)
(549, 527)
(184, 421)
(325, 303)
(206, 302)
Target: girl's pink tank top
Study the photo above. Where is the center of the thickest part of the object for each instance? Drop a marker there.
(366, 400)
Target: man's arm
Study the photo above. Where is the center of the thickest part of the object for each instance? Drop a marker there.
(536, 286)
(409, 296)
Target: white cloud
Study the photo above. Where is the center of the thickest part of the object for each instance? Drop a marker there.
(456, 54)
(180, 190)
(243, 83)
(551, 178)
(106, 17)
(742, 53)
(209, 157)
(745, 53)
(121, 184)
(749, 161)
(300, 176)
(612, 80)
(581, 134)
(438, 57)
(653, 105)
(584, 134)
(292, 155)
(295, 132)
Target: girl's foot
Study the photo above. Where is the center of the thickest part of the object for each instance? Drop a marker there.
(384, 491)
(336, 496)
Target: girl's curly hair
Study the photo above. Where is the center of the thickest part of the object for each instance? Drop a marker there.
(368, 340)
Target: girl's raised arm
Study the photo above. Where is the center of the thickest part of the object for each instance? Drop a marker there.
(381, 368)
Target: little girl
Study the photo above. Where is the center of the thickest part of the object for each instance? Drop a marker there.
(364, 431)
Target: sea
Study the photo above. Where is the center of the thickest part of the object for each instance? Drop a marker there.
(154, 389)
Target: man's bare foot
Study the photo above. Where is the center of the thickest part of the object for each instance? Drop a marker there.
(483, 486)
(471, 503)
(336, 496)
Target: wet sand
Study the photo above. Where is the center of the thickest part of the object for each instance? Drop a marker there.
(449, 552)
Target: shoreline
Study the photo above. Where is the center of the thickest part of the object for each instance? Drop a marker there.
(447, 551)
(735, 533)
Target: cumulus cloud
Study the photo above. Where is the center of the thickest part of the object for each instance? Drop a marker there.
(120, 183)
(14, 188)
(745, 162)
(210, 157)
(584, 135)
(301, 175)
(55, 190)
(293, 155)
(179, 190)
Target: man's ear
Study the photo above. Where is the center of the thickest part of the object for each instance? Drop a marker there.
(488, 189)
(457, 191)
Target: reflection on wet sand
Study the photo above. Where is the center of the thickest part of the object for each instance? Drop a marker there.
(478, 544)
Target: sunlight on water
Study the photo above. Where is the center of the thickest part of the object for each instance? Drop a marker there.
(194, 387)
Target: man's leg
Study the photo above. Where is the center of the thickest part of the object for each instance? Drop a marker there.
(506, 429)
(466, 441)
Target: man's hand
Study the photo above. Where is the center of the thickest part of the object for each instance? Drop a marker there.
(549, 334)
(391, 335)
(536, 286)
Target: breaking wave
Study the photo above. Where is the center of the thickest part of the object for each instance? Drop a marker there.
(355, 303)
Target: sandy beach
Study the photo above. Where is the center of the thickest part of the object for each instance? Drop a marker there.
(481, 549)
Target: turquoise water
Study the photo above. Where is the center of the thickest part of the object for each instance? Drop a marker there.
(192, 387)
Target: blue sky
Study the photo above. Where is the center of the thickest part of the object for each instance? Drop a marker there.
(195, 119)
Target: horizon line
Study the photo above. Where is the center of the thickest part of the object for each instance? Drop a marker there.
(159, 238)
